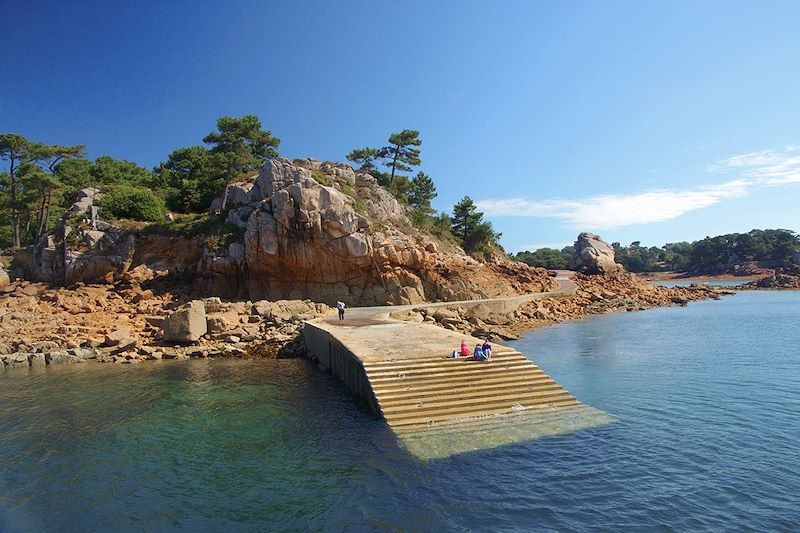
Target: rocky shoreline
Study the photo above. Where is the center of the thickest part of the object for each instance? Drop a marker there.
(307, 232)
(785, 278)
(126, 324)
(40, 325)
(595, 294)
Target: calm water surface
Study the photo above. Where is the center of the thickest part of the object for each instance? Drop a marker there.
(715, 282)
(708, 439)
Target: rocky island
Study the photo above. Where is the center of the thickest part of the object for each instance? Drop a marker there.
(306, 235)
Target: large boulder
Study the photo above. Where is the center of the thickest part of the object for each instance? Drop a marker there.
(187, 324)
(104, 252)
(221, 322)
(308, 240)
(116, 336)
(17, 360)
(592, 255)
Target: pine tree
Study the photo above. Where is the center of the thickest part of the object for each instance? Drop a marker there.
(421, 193)
(28, 162)
(16, 150)
(365, 158)
(239, 146)
(475, 234)
(465, 218)
(401, 153)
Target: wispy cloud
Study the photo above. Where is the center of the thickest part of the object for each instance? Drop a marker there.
(756, 169)
(768, 167)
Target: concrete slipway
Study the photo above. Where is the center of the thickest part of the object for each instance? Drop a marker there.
(439, 406)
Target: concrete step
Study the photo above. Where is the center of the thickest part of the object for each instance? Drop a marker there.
(438, 362)
(473, 378)
(446, 365)
(444, 387)
(427, 363)
(461, 398)
(422, 419)
(476, 402)
(409, 387)
(464, 389)
(477, 368)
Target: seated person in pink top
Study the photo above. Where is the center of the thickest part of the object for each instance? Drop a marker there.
(465, 349)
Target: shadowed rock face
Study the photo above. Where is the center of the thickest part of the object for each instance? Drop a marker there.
(592, 255)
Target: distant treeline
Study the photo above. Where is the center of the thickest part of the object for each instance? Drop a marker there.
(707, 256)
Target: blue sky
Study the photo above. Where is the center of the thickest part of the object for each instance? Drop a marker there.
(639, 120)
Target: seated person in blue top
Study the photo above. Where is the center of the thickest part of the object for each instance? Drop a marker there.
(479, 354)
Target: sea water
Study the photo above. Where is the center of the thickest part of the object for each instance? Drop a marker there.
(707, 437)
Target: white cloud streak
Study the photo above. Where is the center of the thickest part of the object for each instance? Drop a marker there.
(767, 168)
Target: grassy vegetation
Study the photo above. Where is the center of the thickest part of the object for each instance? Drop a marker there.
(320, 178)
(346, 187)
(216, 231)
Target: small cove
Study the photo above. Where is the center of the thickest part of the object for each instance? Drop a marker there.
(707, 398)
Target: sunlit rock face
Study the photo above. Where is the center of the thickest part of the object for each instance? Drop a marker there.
(308, 230)
(305, 239)
(592, 255)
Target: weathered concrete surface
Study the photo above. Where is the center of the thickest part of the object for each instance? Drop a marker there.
(373, 336)
(401, 371)
(386, 340)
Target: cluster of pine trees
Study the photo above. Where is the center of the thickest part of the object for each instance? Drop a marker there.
(707, 256)
(401, 154)
(41, 180)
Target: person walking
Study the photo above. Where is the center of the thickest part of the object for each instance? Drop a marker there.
(340, 306)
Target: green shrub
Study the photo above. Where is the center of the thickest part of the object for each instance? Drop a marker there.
(320, 178)
(124, 201)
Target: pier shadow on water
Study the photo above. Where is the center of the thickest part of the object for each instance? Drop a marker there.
(462, 436)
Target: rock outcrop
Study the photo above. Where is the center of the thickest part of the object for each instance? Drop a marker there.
(308, 230)
(592, 255)
(787, 277)
(4, 277)
(320, 231)
(95, 250)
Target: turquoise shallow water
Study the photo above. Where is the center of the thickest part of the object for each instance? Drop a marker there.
(708, 438)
